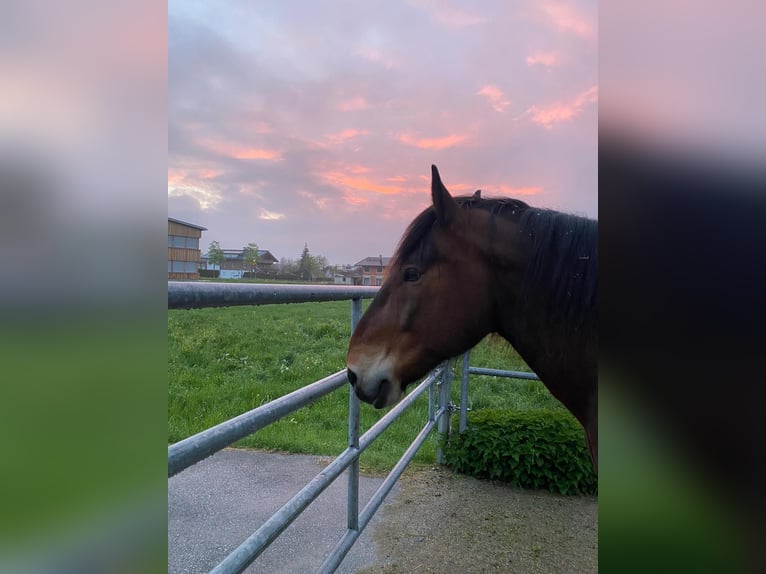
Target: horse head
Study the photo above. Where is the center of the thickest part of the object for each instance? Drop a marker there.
(433, 304)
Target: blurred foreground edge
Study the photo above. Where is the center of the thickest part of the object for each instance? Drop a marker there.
(682, 237)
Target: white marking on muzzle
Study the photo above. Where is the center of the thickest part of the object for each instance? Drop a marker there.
(375, 382)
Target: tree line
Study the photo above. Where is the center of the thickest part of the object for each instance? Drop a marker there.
(215, 255)
(307, 267)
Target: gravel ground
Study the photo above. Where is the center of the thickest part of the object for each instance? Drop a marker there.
(443, 522)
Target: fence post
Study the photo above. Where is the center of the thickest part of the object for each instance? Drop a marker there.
(464, 392)
(444, 403)
(353, 434)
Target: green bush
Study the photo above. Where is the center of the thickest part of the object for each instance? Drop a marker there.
(540, 449)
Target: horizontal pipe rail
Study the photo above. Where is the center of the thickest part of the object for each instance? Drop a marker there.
(196, 294)
(467, 369)
(501, 373)
(257, 542)
(193, 449)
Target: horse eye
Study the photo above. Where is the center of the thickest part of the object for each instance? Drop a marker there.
(411, 274)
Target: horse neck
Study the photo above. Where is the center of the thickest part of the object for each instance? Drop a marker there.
(529, 315)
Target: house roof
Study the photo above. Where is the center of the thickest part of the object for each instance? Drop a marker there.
(379, 261)
(264, 254)
(187, 224)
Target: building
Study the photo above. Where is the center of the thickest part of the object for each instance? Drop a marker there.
(235, 266)
(370, 270)
(343, 278)
(183, 249)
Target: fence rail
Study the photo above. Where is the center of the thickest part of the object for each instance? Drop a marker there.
(197, 447)
(194, 294)
(467, 369)
(181, 455)
(185, 453)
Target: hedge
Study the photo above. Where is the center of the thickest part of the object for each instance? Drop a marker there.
(539, 449)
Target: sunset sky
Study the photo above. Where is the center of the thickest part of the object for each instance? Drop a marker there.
(317, 122)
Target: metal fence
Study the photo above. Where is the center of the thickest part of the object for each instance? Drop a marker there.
(181, 455)
(468, 369)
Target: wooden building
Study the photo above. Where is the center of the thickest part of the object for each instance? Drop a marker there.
(183, 249)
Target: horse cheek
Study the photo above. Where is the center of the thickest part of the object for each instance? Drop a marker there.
(407, 315)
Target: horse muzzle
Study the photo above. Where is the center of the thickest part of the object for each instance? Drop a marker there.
(379, 391)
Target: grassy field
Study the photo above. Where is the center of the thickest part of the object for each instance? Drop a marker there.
(223, 362)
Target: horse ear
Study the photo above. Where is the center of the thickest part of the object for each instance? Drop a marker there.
(477, 194)
(445, 207)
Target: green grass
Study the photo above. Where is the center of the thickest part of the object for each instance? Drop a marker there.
(223, 362)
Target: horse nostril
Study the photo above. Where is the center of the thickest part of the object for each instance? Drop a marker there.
(351, 376)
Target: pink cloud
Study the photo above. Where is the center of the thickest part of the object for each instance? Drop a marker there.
(559, 112)
(175, 177)
(255, 153)
(455, 187)
(510, 191)
(495, 96)
(345, 135)
(347, 182)
(433, 143)
(242, 152)
(355, 199)
(262, 128)
(353, 104)
(567, 18)
(193, 184)
(180, 176)
(546, 59)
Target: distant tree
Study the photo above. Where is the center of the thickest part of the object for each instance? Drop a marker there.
(319, 265)
(304, 264)
(250, 256)
(215, 254)
(288, 265)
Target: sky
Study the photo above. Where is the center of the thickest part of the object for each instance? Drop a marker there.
(302, 122)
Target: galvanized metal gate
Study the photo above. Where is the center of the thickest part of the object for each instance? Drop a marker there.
(181, 455)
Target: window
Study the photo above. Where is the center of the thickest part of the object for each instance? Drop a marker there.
(190, 267)
(380, 270)
(366, 281)
(377, 281)
(183, 242)
(178, 266)
(366, 269)
(170, 266)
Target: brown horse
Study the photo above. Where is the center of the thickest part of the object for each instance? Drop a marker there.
(469, 266)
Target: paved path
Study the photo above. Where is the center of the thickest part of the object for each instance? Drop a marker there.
(434, 521)
(216, 504)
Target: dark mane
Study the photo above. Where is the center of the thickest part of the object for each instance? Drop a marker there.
(418, 233)
(563, 254)
(562, 274)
